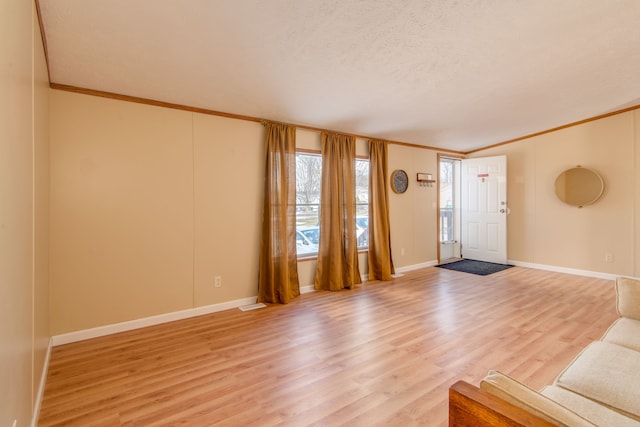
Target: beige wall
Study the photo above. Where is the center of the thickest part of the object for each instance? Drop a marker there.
(228, 206)
(149, 205)
(121, 211)
(23, 211)
(414, 214)
(543, 230)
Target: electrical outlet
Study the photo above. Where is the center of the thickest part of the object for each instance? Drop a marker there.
(401, 251)
(217, 282)
(608, 257)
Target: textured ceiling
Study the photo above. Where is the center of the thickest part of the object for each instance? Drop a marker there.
(443, 73)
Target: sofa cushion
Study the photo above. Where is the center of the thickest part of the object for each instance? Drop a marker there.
(518, 394)
(598, 414)
(624, 332)
(607, 373)
(628, 297)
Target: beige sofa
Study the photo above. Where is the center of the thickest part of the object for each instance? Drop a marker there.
(600, 387)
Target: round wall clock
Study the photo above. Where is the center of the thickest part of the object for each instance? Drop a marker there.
(399, 181)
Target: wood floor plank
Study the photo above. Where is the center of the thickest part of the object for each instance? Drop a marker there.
(384, 353)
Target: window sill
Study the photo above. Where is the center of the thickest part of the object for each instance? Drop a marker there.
(315, 256)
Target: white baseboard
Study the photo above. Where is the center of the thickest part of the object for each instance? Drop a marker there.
(147, 321)
(312, 288)
(114, 328)
(557, 269)
(307, 289)
(43, 381)
(416, 266)
(199, 311)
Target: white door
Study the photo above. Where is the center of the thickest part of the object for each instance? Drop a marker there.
(483, 209)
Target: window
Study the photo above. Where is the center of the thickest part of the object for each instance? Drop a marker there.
(449, 200)
(308, 182)
(446, 200)
(362, 202)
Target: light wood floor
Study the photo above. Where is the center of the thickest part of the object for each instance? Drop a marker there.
(382, 354)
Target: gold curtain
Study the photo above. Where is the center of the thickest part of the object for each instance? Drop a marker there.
(338, 248)
(380, 262)
(278, 277)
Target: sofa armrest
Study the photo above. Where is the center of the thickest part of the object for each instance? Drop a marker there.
(628, 297)
(518, 394)
(471, 406)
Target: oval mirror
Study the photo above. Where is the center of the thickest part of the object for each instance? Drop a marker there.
(579, 186)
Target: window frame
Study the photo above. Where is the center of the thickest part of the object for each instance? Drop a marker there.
(314, 255)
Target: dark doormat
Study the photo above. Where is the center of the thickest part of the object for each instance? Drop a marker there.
(475, 267)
